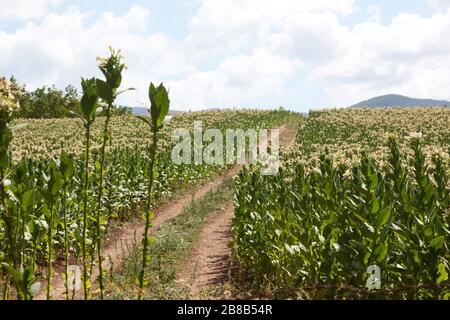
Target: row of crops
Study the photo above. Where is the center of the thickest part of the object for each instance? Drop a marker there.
(362, 188)
(65, 182)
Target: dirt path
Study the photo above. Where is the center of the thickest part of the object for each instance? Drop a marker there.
(210, 262)
(117, 249)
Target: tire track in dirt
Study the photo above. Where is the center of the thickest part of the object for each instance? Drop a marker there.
(210, 262)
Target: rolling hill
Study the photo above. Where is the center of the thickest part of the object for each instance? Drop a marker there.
(395, 100)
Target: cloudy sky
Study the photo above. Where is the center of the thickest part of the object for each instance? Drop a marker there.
(246, 53)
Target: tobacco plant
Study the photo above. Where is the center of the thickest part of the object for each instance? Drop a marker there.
(159, 99)
(89, 105)
(111, 68)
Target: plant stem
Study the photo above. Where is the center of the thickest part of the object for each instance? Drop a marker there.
(5, 218)
(110, 212)
(66, 241)
(147, 211)
(22, 240)
(6, 288)
(50, 240)
(2, 194)
(99, 200)
(86, 185)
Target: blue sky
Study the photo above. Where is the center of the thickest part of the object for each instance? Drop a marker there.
(227, 53)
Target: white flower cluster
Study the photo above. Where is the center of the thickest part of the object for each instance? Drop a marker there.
(416, 135)
(8, 102)
(113, 61)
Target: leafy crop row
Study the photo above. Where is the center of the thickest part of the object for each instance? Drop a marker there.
(324, 222)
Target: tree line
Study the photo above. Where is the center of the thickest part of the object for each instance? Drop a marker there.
(51, 102)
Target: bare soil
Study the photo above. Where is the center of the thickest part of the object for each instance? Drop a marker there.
(209, 264)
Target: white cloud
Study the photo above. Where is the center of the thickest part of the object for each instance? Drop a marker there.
(310, 37)
(62, 47)
(410, 56)
(232, 25)
(24, 9)
(407, 56)
(236, 81)
(238, 51)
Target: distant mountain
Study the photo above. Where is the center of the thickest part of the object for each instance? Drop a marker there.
(395, 100)
(141, 111)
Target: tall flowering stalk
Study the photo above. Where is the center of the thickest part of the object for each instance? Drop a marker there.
(89, 105)
(111, 68)
(159, 99)
(9, 105)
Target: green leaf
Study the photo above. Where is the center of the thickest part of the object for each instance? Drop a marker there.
(415, 255)
(437, 243)
(159, 99)
(89, 100)
(115, 78)
(26, 199)
(360, 217)
(154, 110)
(66, 167)
(442, 272)
(381, 252)
(375, 206)
(373, 182)
(428, 232)
(16, 275)
(366, 257)
(104, 91)
(97, 165)
(383, 217)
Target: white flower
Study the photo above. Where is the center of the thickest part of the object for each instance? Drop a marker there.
(416, 135)
(6, 183)
(347, 174)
